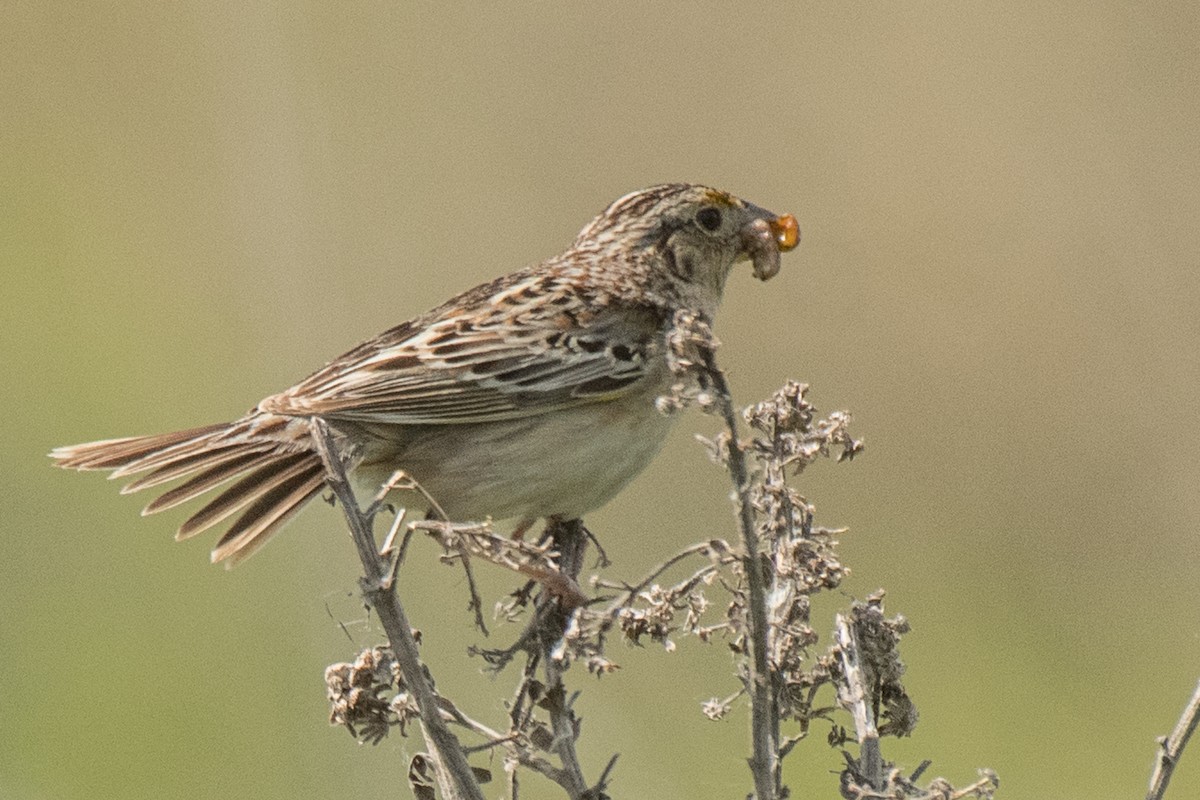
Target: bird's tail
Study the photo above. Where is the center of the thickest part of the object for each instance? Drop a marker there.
(272, 458)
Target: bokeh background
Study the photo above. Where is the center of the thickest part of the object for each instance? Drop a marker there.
(203, 201)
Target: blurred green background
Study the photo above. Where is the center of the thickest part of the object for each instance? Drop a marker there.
(201, 202)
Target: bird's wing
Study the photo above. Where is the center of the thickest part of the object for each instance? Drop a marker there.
(478, 367)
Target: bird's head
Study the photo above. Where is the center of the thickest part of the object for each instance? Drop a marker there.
(694, 232)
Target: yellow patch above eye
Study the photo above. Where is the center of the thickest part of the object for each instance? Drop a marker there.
(721, 198)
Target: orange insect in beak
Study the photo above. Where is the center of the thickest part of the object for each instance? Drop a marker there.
(786, 231)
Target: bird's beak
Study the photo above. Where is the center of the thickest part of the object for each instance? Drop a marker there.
(765, 238)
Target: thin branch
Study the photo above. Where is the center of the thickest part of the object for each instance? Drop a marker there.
(980, 788)
(853, 694)
(632, 591)
(499, 658)
(1171, 748)
(764, 722)
(455, 714)
(454, 774)
(602, 784)
(405, 482)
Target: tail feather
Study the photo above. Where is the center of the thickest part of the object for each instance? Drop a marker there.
(187, 465)
(168, 456)
(244, 492)
(221, 470)
(268, 514)
(115, 453)
(272, 458)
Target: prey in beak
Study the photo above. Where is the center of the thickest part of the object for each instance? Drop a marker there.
(765, 238)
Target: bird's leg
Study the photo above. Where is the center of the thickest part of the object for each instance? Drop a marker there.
(554, 612)
(522, 528)
(389, 552)
(379, 501)
(570, 541)
(602, 559)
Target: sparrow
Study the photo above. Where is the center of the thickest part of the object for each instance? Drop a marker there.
(533, 396)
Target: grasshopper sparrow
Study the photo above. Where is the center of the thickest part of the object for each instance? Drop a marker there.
(531, 396)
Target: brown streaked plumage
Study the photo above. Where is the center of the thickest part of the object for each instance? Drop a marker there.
(531, 396)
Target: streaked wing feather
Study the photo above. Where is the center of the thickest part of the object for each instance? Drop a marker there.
(451, 372)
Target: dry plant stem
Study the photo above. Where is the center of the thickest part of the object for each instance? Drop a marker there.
(1171, 748)
(632, 591)
(870, 759)
(519, 716)
(454, 774)
(496, 739)
(570, 540)
(764, 722)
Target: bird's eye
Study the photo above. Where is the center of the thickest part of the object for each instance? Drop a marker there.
(709, 218)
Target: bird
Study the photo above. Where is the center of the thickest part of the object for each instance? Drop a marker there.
(529, 397)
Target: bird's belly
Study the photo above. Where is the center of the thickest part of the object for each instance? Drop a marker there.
(565, 463)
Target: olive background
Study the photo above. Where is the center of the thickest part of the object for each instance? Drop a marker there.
(201, 202)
